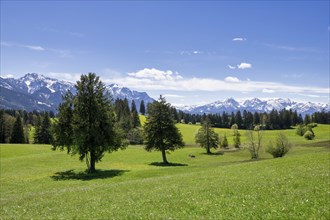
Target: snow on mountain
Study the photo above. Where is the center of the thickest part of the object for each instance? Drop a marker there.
(256, 105)
(37, 92)
(44, 93)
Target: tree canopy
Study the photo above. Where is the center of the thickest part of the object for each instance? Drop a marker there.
(206, 136)
(86, 120)
(17, 135)
(160, 131)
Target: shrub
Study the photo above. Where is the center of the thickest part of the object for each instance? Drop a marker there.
(312, 125)
(309, 135)
(224, 142)
(254, 143)
(281, 147)
(237, 140)
(301, 130)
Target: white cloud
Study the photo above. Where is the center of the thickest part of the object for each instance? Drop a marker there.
(268, 91)
(231, 79)
(231, 67)
(197, 52)
(33, 47)
(155, 80)
(71, 77)
(239, 39)
(173, 96)
(155, 74)
(244, 66)
(188, 52)
(8, 76)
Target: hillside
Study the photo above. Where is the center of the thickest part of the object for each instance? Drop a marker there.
(39, 183)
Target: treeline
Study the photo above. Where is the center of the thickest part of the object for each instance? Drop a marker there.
(20, 126)
(17, 125)
(282, 119)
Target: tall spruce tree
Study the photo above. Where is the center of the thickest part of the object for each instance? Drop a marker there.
(17, 135)
(142, 108)
(135, 116)
(88, 119)
(2, 126)
(37, 131)
(160, 131)
(206, 136)
(45, 135)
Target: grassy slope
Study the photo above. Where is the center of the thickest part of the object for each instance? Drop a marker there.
(37, 183)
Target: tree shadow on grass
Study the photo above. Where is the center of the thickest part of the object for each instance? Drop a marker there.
(99, 174)
(214, 153)
(161, 164)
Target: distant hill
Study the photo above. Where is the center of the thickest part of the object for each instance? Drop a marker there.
(37, 92)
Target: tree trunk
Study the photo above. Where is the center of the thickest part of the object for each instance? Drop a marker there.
(208, 150)
(92, 164)
(164, 157)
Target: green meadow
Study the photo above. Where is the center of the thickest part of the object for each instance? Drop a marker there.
(38, 183)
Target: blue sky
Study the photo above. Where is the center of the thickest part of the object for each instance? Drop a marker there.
(191, 52)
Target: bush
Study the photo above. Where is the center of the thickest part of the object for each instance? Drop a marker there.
(281, 147)
(301, 130)
(309, 135)
(224, 142)
(312, 125)
(237, 140)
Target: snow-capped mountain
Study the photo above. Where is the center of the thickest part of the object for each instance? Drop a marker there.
(37, 92)
(256, 105)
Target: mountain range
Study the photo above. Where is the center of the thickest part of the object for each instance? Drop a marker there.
(256, 105)
(37, 92)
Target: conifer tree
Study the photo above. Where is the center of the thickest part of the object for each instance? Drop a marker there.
(37, 131)
(89, 120)
(45, 135)
(135, 116)
(160, 131)
(17, 135)
(142, 108)
(224, 142)
(206, 136)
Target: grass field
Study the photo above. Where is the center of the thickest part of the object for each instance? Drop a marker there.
(37, 183)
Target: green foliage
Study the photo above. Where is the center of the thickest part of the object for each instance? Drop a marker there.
(224, 142)
(86, 122)
(160, 131)
(142, 108)
(312, 125)
(206, 137)
(45, 135)
(301, 129)
(237, 140)
(282, 146)
(135, 136)
(17, 135)
(135, 116)
(309, 135)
